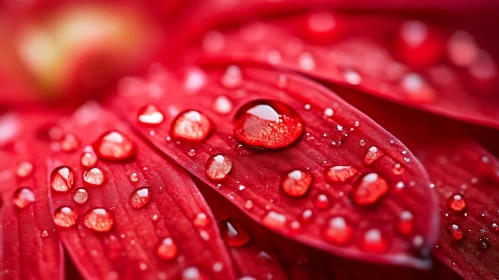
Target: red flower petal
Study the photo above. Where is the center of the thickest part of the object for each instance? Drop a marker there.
(415, 63)
(140, 214)
(335, 134)
(465, 177)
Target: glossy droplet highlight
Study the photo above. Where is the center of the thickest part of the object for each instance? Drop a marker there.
(405, 222)
(232, 77)
(372, 155)
(456, 232)
(267, 124)
(24, 169)
(94, 176)
(338, 174)
(88, 159)
(98, 219)
(191, 126)
(114, 146)
(374, 241)
(222, 105)
(150, 115)
(167, 249)
(201, 220)
(321, 201)
(80, 196)
(369, 189)
(65, 217)
(234, 233)
(274, 219)
(456, 203)
(139, 198)
(62, 179)
(218, 167)
(69, 142)
(296, 183)
(23, 197)
(338, 231)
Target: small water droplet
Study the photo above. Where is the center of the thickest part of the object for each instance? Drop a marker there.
(274, 219)
(320, 24)
(150, 115)
(202, 220)
(65, 217)
(98, 219)
(374, 241)
(24, 168)
(222, 105)
(362, 142)
(495, 227)
(191, 126)
(134, 177)
(456, 232)
(369, 189)
(23, 197)
(191, 152)
(94, 176)
(191, 273)
(234, 233)
(352, 77)
(306, 61)
(69, 142)
(405, 222)
(321, 201)
(296, 183)
(338, 231)
(398, 169)
(306, 216)
(328, 112)
(88, 159)
(372, 155)
(248, 204)
(80, 196)
(456, 203)
(462, 48)
(62, 179)
(167, 249)
(267, 124)
(338, 174)
(232, 77)
(45, 234)
(218, 167)
(139, 198)
(114, 146)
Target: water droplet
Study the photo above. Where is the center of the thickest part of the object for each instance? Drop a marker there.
(98, 219)
(374, 241)
(191, 152)
(362, 142)
(417, 87)
(495, 227)
(88, 159)
(218, 167)
(222, 105)
(150, 115)
(352, 77)
(201, 220)
(456, 203)
(134, 177)
(267, 124)
(462, 48)
(191, 126)
(80, 196)
(114, 146)
(234, 233)
(321, 24)
(248, 204)
(369, 189)
(23, 197)
(328, 112)
(69, 142)
(139, 198)
(338, 231)
(321, 201)
(94, 176)
(167, 249)
(372, 155)
(24, 168)
(213, 41)
(191, 273)
(232, 77)
(45, 234)
(306, 216)
(414, 33)
(274, 56)
(296, 183)
(398, 169)
(405, 222)
(456, 232)
(274, 220)
(338, 174)
(306, 61)
(195, 80)
(65, 217)
(61, 179)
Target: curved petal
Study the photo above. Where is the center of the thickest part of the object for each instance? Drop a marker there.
(337, 138)
(124, 211)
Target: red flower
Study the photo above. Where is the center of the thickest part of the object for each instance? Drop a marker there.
(254, 140)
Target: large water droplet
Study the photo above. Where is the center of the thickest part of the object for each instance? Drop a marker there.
(218, 167)
(191, 126)
(338, 174)
(80, 196)
(296, 183)
(98, 219)
(62, 179)
(405, 222)
(94, 176)
(267, 124)
(372, 155)
(139, 198)
(456, 203)
(369, 189)
(374, 241)
(23, 197)
(234, 233)
(167, 249)
(114, 146)
(24, 168)
(150, 115)
(65, 217)
(456, 232)
(274, 219)
(338, 231)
